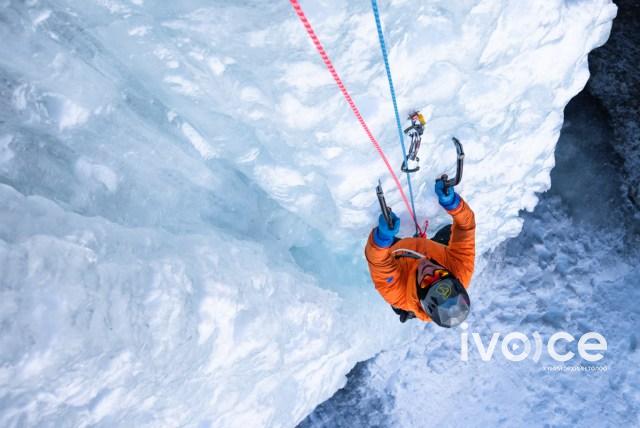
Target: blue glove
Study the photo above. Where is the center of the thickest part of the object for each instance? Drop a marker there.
(382, 235)
(449, 202)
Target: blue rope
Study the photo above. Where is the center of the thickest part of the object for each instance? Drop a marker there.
(383, 48)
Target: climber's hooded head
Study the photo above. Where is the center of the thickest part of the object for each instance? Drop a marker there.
(441, 295)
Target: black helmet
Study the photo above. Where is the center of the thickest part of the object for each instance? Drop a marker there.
(446, 302)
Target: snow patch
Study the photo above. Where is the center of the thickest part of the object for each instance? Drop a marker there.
(181, 85)
(100, 173)
(41, 17)
(72, 115)
(298, 115)
(139, 31)
(198, 141)
(6, 154)
(216, 66)
(306, 75)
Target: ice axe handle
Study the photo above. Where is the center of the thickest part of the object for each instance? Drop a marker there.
(386, 211)
(459, 166)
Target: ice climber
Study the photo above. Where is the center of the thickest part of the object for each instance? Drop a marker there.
(426, 278)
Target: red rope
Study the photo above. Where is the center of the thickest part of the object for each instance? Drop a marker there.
(354, 108)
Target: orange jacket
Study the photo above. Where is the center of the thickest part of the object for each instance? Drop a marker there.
(395, 278)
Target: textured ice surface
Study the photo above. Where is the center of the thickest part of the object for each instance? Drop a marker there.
(558, 275)
(573, 268)
(184, 195)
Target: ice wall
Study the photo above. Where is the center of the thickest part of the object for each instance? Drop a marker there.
(573, 268)
(185, 195)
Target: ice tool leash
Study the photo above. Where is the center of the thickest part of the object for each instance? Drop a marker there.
(327, 62)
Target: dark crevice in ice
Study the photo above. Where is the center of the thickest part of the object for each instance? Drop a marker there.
(615, 81)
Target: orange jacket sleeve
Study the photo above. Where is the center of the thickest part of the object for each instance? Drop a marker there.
(385, 273)
(461, 251)
(459, 256)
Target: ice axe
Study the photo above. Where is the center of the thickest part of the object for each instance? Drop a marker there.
(460, 163)
(386, 210)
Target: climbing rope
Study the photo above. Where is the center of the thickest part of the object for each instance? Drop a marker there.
(383, 48)
(327, 62)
